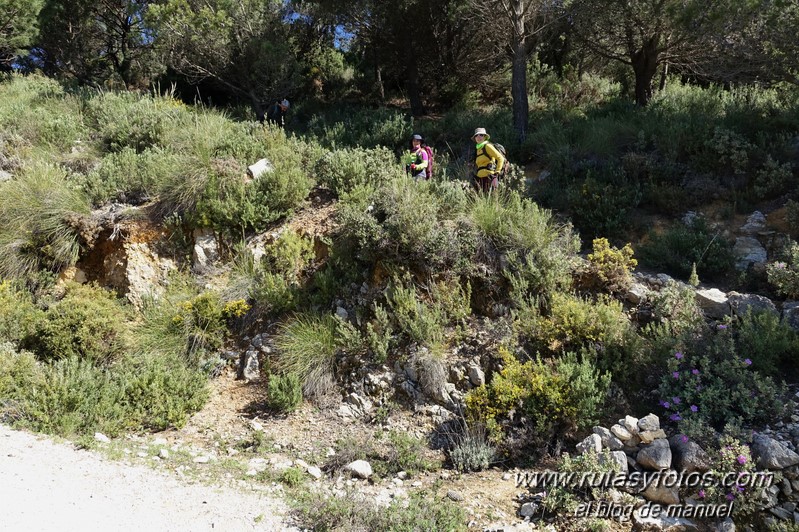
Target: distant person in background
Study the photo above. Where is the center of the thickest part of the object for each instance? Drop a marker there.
(276, 113)
(488, 162)
(417, 159)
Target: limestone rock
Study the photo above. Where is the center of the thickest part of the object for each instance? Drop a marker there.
(206, 250)
(770, 454)
(687, 455)
(713, 302)
(748, 251)
(620, 432)
(609, 441)
(649, 422)
(743, 303)
(656, 455)
(359, 468)
(593, 443)
(649, 436)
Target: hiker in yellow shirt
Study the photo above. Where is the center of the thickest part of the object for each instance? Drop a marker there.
(488, 162)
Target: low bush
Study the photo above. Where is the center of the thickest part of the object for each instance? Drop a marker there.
(131, 177)
(677, 249)
(285, 392)
(87, 323)
(708, 380)
(472, 451)
(344, 169)
(407, 224)
(784, 275)
(601, 203)
(40, 222)
(307, 348)
(554, 399)
(421, 511)
(770, 343)
(610, 267)
(19, 316)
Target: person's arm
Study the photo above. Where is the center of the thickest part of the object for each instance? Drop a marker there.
(495, 156)
(423, 156)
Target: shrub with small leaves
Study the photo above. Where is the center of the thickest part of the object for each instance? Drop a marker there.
(733, 457)
(710, 381)
(472, 451)
(784, 275)
(611, 266)
(285, 392)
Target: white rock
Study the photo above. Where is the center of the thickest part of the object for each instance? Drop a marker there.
(102, 438)
(360, 468)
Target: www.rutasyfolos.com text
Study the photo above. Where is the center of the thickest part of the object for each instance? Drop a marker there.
(668, 479)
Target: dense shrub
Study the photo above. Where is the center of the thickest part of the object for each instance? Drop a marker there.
(87, 323)
(129, 176)
(538, 251)
(678, 248)
(19, 315)
(771, 344)
(41, 222)
(784, 275)
(407, 224)
(555, 399)
(609, 267)
(348, 126)
(472, 450)
(710, 381)
(285, 392)
(344, 169)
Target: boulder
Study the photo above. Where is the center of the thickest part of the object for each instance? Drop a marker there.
(661, 493)
(656, 455)
(620, 432)
(687, 455)
(631, 424)
(754, 224)
(618, 459)
(637, 293)
(476, 375)
(206, 250)
(743, 303)
(770, 454)
(648, 436)
(649, 422)
(790, 314)
(249, 367)
(609, 441)
(359, 468)
(748, 252)
(713, 302)
(593, 443)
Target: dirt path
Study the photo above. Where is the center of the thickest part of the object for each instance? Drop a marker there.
(48, 486)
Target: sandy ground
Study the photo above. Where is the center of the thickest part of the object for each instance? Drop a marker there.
(48, 486)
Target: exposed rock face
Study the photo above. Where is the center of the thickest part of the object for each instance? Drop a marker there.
(713, 302)
(748, 252)
(124, 257)
(687, 455)
(743, 303)
(656, 455)
(206, 250)
(770, 454)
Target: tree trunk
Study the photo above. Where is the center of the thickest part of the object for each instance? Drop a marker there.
(663, 75)
(645, 63)
(518, 83)
(412, 79)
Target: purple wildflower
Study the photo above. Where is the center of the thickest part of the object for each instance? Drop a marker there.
(676, 400)
(722, 327)
(678, 355)
(675, 417)
(730, 496)
(701, 494)
(748, 362)
(676, 374)
(741, 459)
(684, 438)
(695, 371)
(694, 408)
(665, 404)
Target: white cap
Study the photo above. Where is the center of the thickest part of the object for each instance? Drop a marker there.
(285, 103)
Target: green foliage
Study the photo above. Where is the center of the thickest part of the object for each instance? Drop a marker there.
(307, 348)
(128, 120)
(348, 127)
(19, 315)
(344, 169)
(773, 178)
(678, 248)
(731, 457)
(159, 391)
(285, 392)
(611, 266)
(73, 396)
(19, 373)
(292, 477)
(413, 225)
(18, 27)
(274, 281)
(556, 399)
(87, 323)
(403, 453)
(771, 344)
(421, 511)
(784, 276)
(473, 451)
(575, 324)
(201, 321)
(792, 217)
(129, 176)
(538, 250)
(42, 217)
(710, 381)
(601, 203)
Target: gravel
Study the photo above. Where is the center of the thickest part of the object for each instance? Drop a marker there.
(53, 486)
